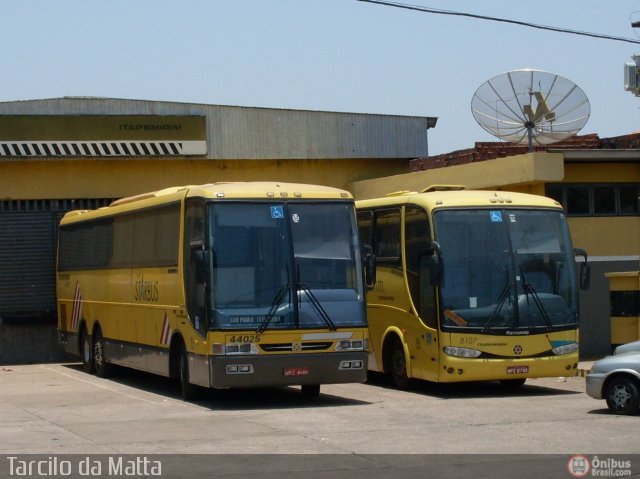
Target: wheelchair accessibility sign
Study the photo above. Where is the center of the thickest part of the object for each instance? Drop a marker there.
(496, 216)
(277, 212)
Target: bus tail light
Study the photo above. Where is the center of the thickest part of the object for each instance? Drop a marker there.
(462, 352)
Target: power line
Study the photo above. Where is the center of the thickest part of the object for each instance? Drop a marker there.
(503, 20)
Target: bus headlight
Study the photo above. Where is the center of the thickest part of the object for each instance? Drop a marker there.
(352, 345)
(462, 352)
(565, 349)
(356, 364)
(239, 369)
(219, 349)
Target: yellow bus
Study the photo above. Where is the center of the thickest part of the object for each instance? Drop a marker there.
(223, 285)
(471, 286)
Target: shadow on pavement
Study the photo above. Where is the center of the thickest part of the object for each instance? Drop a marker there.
(227, 399)
(469, 389)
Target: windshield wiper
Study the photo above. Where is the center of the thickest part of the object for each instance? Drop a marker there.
(529, 289)
(317, 306)
(501, 300)
(277, 300)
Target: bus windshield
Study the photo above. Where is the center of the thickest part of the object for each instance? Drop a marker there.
(284, 266)
(506, 271)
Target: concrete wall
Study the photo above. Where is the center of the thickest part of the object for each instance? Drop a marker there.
(505, 173)
(107, 178)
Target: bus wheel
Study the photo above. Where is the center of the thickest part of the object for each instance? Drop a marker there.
(103, 369)
(513, 383)
(188, 390)
(398, 365)
(86, 351)
(310, 391)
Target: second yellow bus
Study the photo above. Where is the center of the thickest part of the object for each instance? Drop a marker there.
(471, 286)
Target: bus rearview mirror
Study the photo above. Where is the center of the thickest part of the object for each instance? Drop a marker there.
(584, 275)
(370, 265)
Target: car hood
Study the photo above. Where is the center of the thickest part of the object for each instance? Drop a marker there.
(632, 347)
(629, 361)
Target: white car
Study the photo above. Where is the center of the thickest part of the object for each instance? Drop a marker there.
(617, 379)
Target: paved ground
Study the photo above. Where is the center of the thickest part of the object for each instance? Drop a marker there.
(56, 412)
(57, 408)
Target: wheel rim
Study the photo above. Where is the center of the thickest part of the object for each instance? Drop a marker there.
(97, 352)
(620, 396)
(86, 350)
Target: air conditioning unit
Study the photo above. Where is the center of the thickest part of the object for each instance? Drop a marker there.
(632, 76)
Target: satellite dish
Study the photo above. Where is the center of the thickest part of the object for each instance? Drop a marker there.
(635, 22)
(530, 107)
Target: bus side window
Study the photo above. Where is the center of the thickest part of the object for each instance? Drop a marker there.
(417, 237)
(387, 237)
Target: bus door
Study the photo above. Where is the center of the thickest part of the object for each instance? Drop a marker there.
(423, 336)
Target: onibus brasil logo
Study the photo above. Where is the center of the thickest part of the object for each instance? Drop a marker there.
(581, 466)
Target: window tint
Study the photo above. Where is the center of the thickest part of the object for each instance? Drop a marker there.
(604, 200)
(387, 236)
(578, 200)
(365, 227)
(141, 239)
(629, 200)
(596, 199)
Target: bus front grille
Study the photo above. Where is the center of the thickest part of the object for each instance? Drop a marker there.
(281, 347)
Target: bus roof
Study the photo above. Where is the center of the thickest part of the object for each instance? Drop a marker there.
(267, 189)
(447, 198)
(223, 190)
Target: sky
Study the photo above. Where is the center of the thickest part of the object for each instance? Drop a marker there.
(329, 55)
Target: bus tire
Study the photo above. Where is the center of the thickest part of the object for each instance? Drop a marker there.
(188, 391)
(103, 368)
(397, 364)
(86, 351)
(310, 391)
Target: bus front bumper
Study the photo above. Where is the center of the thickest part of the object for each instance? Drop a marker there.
(458, 369)
(287, 369)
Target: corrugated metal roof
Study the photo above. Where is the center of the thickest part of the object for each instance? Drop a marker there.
(236, 132)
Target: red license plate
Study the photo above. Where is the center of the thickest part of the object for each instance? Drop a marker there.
(517, 369)
(296, 371)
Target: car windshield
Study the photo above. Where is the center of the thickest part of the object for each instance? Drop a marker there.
(285, 265)
(508, 271)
